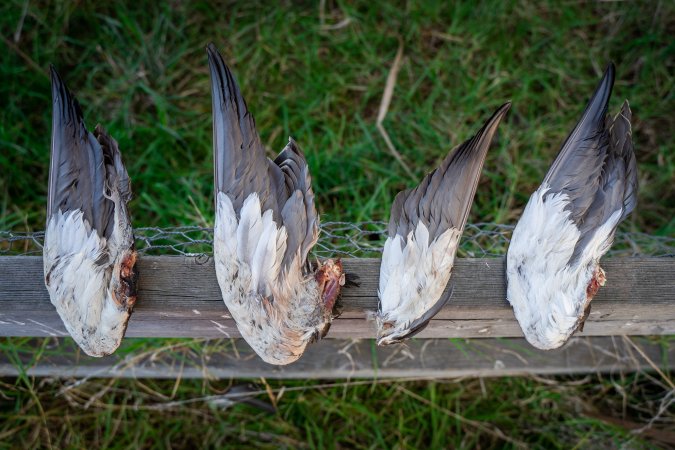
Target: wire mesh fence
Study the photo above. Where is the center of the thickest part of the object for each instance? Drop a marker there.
(339, 239)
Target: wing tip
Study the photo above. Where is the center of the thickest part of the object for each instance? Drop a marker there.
(493, 122)
(224, 87)
(599, 102)
(466, 159)
(217, 67)
(610, 70)
(62, 95)
(480, 142)
(214, 55)
(502, 110)
(54, 74)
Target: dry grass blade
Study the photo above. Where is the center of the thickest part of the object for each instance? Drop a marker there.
(341, 24)
(384, 108)
(19, 26)
(665, 377)
(279, 391)
(24, 56)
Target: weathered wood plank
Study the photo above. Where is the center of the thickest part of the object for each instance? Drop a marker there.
(338, 359)
(179, 297)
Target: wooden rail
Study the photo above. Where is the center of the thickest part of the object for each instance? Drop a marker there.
(179, 297)
(341, 358)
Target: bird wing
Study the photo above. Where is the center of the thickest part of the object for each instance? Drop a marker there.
(281, 188)
(596, 170)
(424, 230)
(443, 199)
(87, 183)
(616, 194)
(576, 169)
(85, 168)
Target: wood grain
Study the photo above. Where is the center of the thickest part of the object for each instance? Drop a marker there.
(179, 297)
(348, 359)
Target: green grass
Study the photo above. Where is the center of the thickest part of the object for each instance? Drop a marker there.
(149, 413)
(140, 70)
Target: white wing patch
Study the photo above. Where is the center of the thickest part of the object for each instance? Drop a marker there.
(413, 275)
(78, 270)
(274, 311)
(547, 294)
(254, 241)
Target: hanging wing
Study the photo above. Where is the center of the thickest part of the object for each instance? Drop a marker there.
(569, 223)
(265, 195)
(83, 242)
(424, 230)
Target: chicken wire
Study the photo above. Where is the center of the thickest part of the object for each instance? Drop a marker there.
(339, 239)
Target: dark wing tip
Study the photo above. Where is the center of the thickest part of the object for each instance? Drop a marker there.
(480, 142)
(67, 125)
(583, 151)
(594, 115)
(59, 89)
(466, 163)
(233, 127)
(443, 198)
(214, 55)
(218, 69)
(78, 173)
(502, 110)
(597, 106)
(69, 107)
(225, 89)
(490, 127)
(54, 74)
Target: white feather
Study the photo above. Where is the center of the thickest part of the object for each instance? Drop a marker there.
(548, 294)
(413, 275)
(264, 265)
(249, 228)
(225, 230)
(79, 285)
(248, 254)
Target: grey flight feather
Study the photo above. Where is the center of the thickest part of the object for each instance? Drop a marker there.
(616, 184)
(579, 163)
(443, 199)
(299, 214)
(84, 167)
(596, 166)
(241, 167)
(621, 143)
(577, 169)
